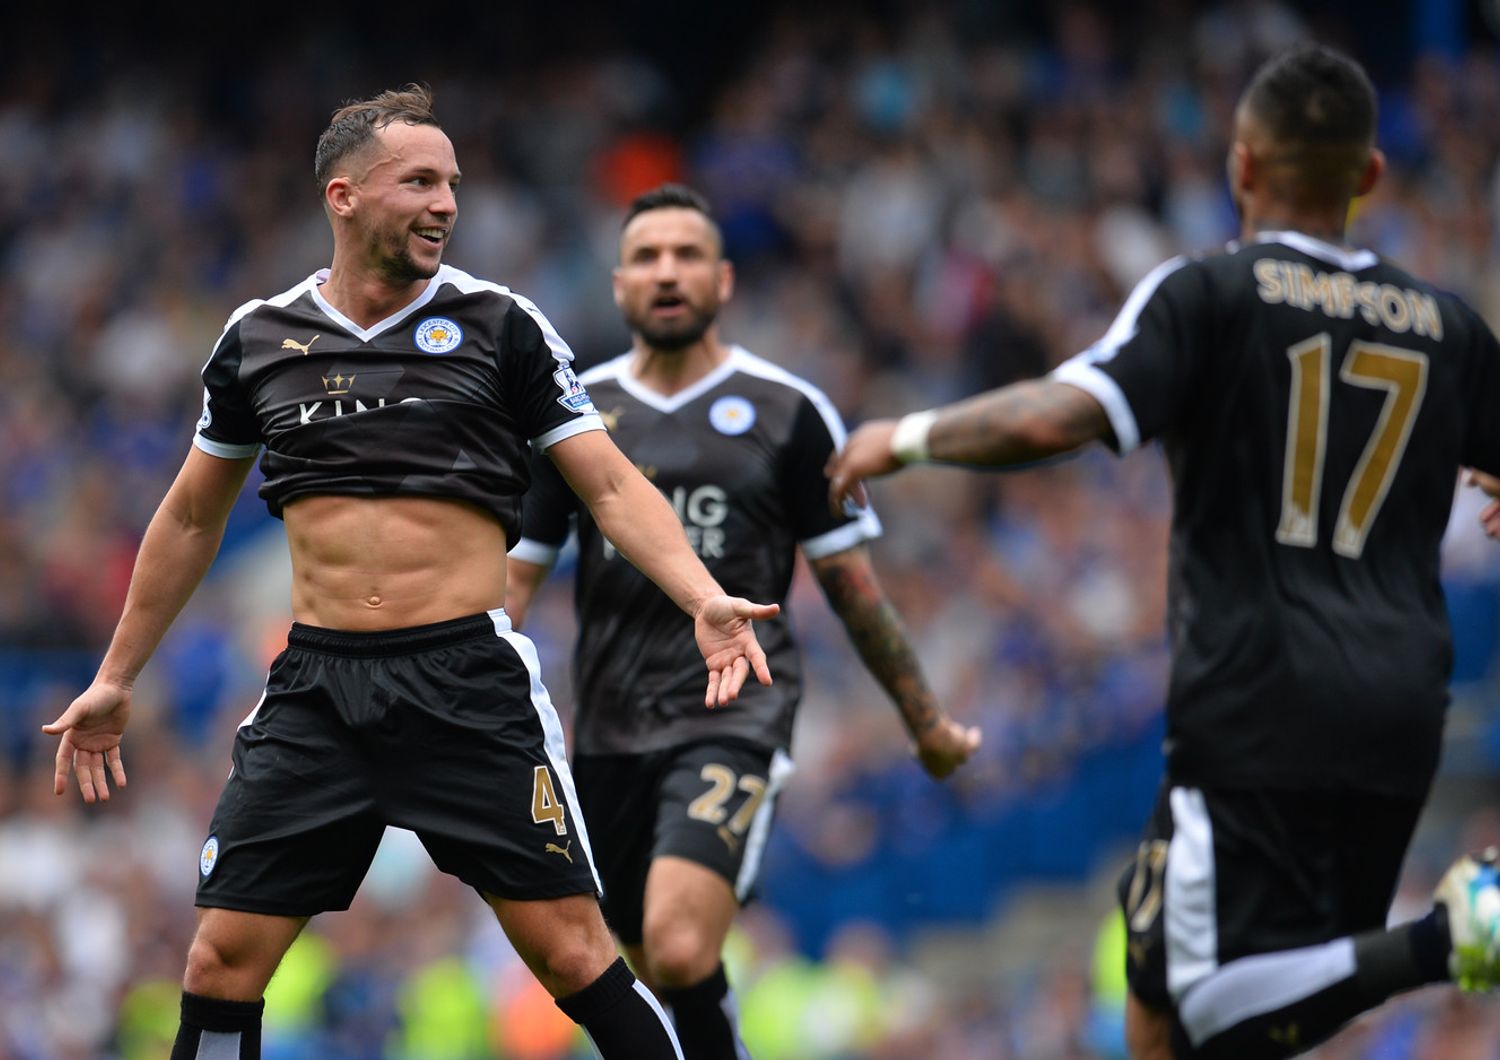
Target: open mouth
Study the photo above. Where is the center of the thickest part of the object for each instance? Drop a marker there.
(668, 303)
(433, 236)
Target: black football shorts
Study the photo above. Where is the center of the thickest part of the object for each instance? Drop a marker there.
(1223, 874)
(444, 729)
(711, 803)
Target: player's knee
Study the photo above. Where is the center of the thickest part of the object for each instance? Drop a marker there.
(216, 968)
(572, 964)
(679, 955)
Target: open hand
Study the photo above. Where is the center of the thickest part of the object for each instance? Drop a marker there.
(91, 728)
(729, 647)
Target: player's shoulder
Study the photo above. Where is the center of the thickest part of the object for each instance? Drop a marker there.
(299, 291)
(769, 383)
(773, 378)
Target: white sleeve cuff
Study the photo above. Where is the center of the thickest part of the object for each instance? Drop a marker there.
(866, 528)
(226, 450)
(548, 439)
(529, 550)
(1098, 385)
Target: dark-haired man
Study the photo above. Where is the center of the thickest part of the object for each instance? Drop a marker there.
(1315, 404)
(395, 397)
(682, 800)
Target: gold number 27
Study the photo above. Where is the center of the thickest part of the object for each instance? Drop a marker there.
(1402, 374)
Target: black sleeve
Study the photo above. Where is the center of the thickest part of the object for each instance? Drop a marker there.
(547, 399)
(228, 427)
(1145, 366)
(817, 431)
(547, 511)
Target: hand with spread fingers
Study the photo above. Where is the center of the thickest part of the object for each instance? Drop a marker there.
(91, 729)
(730, 650)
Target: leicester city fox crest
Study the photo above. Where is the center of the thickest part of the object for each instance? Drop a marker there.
(208, 857)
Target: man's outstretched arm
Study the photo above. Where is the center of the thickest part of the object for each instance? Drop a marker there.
(1017, 424)
(849, 582)
(179, 545)
(639, 522)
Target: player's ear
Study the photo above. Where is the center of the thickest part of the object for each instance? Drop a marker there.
(339, 195)
(1241, 168)
(617, 284)
(726, 279)
(1374, 169)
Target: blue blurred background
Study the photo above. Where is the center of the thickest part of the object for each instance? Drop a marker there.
(922, 200)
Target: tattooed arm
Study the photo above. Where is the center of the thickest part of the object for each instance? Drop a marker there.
(848, 580)
(1016, 424)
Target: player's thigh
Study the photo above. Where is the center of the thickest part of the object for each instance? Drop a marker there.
(717, 804)
(620, 795)
(476, 767)
(1148, 1031)
(1221, 875)
(296, 825)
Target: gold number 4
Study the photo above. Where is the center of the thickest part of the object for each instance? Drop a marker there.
(1402, 374)
(710, 805)
(545, 806)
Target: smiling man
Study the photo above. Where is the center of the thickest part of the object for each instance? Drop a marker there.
(395, 398)
(682, 799)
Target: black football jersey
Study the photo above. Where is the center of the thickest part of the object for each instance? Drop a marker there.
(438, 399)
(740, 456)
(1314, 404)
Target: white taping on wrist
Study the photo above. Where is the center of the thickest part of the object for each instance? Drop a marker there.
(909, 442)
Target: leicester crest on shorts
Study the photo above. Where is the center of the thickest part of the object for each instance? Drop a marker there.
(208, 857)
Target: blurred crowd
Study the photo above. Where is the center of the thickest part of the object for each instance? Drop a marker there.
(920, 205)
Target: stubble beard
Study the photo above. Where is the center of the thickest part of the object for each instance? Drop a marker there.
(397, 267)
(674, 336)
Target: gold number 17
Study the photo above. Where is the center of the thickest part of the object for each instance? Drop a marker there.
(1402, 374)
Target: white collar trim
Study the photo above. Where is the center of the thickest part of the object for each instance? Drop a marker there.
(366, 334)
(1348, 260)
(672, 402)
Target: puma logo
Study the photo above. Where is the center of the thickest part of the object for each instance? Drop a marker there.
(553, 848)
(731, 840)
(293, 344)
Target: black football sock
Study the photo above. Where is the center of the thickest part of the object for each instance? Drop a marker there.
(212, 1029)
(621, 1017)
(705, 1017)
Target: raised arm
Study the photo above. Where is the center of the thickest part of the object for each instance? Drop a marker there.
(848, 580)
(1016, 424)
(180, 542)
(640, 523)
